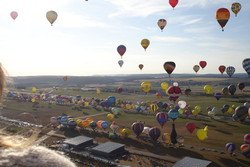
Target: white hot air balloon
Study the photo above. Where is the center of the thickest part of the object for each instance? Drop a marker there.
(51, 16)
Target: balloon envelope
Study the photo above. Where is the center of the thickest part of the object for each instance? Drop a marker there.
(230, 71)
(196, 68)
(137, 128)
(162, 23)
(222, 16)
(191, 127)
(236, 7)
(121, 49)
(162, 118)
(145, 43)
(201, 134)
(222, 69)
(245, 150)
(241, 86)
(51, 16)
(169, 67)
(230, 147)
(14, 15)
(141, 66)
(120, 62)
(154, 133)
(164, 86)
(232, 89)
(173, 3)
(146, 86)
(218, 96)
(203, 64)
(247, 138)
(246, 66)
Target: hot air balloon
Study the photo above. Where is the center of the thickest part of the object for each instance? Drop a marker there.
(230, 71)
(174, 92)
(218, 96)
(203, 64)
(241, 86)
(153, 107)
(173, 3)
(51, 16)
(120, 62)
(169, 67)
(114, 127)
(182, 104)
(225, 108)
(230, 147)
(119, 90)
(33, 89)
(162, 118)
(137, 128)
(196, 68)
(225, 91)
(93, 125)
(222, 69)
(146, 86)
(104, 125)
(121, 49)
(162, 23)
(14, 15)
(247, 138)
(141, 66)
(110, 117)
(208, 89)
(164, 86)
(154, 133)
(145, 43)
(245, 150)
(173, 135)
(190, 127)
(222, 16)
(232, 89)
(65, 78)
(240, 113)
(187, 91)
(158, 95)
(246, 66)
(202, 133)
(173, 114)
(236, 7)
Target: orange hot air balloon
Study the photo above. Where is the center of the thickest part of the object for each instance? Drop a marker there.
(141, 66)
(222, 16)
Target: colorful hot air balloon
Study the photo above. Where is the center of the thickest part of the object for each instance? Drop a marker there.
(14, 15)
(236, 7)
(164, 86)
(196, 68)
(120, 62)
(174, 92)
(203, 64)
(191, 127)
(162, 118)
(145, 43)
(153, 107)
(141, 66)
(230, 71)
(51, 16)
(121, 49)
(222, 16)
(154, 133)
(246, 65)
(230, 147)
(245, 150)
(162, 23)
(169, 67)
(247, 138)
(173, 3)
(222, 69)
(137, 128)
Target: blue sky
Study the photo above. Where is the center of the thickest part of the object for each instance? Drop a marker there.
(84, 38)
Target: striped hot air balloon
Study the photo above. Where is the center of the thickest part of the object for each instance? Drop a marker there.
(246, 66)
(137, 127)
(230, 71)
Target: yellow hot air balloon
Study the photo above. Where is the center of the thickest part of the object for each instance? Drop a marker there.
(208, 89)
(153, 107)
(166, 138)
(146, 86)
(110, 117)
(33, 89)
(145, 43)
(164, 86)
(125, 132)
(128, 106)
(51, 16)
(201, 134)
(230, 110)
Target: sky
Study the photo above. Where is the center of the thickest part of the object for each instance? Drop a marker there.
(84, 38)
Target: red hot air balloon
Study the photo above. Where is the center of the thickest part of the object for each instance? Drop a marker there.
(174, 92)
(162, 118)
(169, 67)
(190, 127)
(203, 64)
(247, 138)
(222, 69)
(222, 16)
(154, 133)
(137, 127)
(173, 3)
(121, 49)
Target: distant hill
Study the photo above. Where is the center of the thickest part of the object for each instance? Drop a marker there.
(80, 81)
